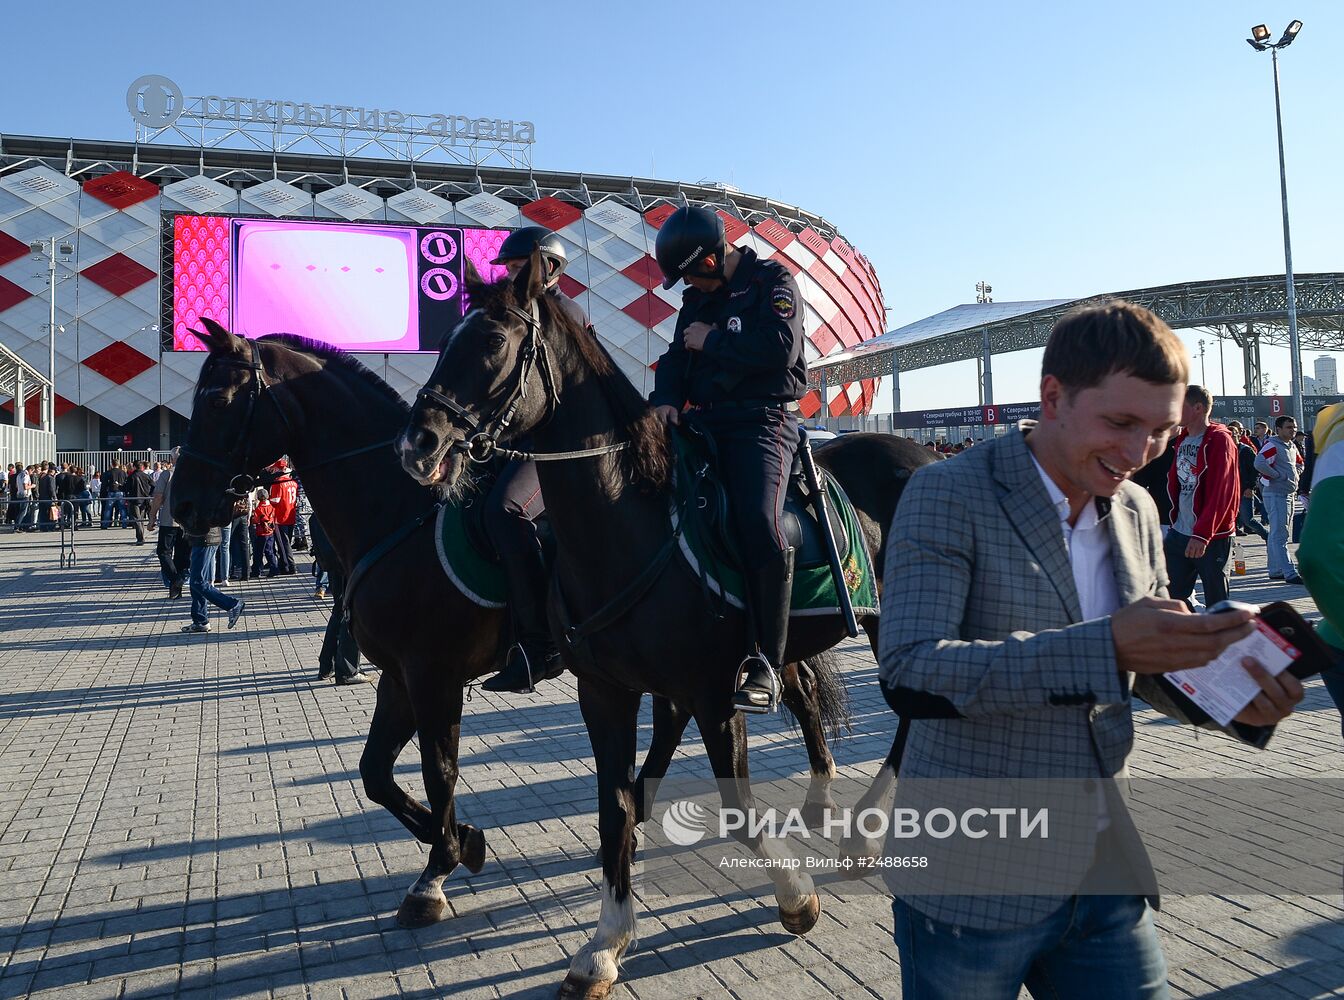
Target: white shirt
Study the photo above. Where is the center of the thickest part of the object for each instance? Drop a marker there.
(1089, 546)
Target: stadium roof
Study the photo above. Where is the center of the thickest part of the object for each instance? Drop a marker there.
(1228, 307)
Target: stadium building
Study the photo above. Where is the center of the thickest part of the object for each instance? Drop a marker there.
(367, 252)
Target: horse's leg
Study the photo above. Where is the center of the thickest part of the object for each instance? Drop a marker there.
(392, 727)
(669, 723)
(725, 735)
(611, 715)
(438, 709)
(800, 697)
(854, 846)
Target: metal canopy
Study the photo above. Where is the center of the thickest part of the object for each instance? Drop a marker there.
(1224, 307)
(10, 365)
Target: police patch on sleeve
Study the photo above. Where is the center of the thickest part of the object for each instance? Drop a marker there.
(782, 301)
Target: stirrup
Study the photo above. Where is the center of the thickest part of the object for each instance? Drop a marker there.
(529, 688)
(753, 700)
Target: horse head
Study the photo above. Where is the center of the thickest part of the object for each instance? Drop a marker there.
(493, 381)
(236, 430)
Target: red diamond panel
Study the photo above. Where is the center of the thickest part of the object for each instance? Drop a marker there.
(824, 339)
(10, 249)
(551, 213)
(121, 189)
(648, 310)
(787, 262)
(118, 274)
(810, 405)
(571, 287)
(814, 241)
(11, 294)
(657, 216)
(32, 408)
(644, 272)
(775, 233)
(118, 362)
(843, 250)
(733, 227)
(840, 404)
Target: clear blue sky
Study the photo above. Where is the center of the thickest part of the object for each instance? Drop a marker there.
(1051, 149)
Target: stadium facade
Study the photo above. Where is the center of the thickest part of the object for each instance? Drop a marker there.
(121, 378)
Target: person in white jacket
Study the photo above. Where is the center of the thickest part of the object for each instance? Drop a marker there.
(1280, 466)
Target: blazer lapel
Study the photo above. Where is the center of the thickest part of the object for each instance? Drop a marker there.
(1028, 508)
(1126, 554)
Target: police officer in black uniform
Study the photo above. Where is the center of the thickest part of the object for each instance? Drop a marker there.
(515, 502)
(737, 359)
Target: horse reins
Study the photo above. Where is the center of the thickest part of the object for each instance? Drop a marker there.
(484, 441)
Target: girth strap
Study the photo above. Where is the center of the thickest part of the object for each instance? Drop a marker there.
(378, 551)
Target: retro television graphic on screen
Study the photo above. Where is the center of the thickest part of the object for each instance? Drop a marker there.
(361, 287)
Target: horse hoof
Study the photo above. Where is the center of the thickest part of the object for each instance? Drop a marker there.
(473, 852)
(805, 919)
(814, 814)
(421, 911)
(574, 988)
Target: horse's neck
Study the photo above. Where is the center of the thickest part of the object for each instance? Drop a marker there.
(361, 499)
(589, 500)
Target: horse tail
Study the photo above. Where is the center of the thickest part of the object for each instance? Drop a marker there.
(832, 697)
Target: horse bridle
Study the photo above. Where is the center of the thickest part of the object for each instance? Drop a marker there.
(260, 385)
(484, 441)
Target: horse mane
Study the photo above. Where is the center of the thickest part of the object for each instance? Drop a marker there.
(338, 358)
(648, 460)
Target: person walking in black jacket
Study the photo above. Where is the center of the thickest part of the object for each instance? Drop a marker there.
(139, 489)
(1248, 481)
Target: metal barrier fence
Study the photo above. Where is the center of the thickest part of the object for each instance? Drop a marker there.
(33, 515)
(102, 459)
(26, 445)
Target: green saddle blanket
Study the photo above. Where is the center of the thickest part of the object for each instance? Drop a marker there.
(813, 584)
(472, 572)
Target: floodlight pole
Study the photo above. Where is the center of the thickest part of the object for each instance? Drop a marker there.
(1294, 345)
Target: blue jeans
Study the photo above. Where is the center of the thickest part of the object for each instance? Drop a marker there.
(1246, 518)
(222, 571)
(1099, 947)
(203, 589)
(113, 505)
(1279, 508)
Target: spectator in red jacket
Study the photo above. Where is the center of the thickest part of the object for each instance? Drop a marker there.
(285, 499)
(1203, 487)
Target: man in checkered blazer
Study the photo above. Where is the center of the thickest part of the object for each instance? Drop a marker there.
(1033, 596)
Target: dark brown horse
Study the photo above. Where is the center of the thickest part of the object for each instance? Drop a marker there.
(256, 401)
(517, 366)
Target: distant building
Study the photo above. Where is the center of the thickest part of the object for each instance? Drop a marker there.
(1326, 380)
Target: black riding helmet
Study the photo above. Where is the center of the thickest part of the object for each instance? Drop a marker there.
(520, 243)
(689, 235)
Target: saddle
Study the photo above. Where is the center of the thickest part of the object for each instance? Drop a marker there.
(697, 464)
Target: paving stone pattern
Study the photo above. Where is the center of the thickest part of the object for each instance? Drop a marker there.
(183, 815)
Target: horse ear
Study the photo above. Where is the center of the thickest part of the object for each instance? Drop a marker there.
(531, 280)
(215, 337)
(472, 279)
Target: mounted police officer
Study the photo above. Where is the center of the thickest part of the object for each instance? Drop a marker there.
(515, 502)
(737, 359)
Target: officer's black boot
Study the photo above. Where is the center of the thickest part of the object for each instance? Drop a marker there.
(770, 588)
(534, 657)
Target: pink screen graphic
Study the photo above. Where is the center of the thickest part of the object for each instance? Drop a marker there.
(201, 262)
(354, 286)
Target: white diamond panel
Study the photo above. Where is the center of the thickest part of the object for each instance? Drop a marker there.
(199, 195)
(350, 202)
(419, 206)
(276, 198)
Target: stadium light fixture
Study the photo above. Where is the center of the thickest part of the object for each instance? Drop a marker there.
(1259, 34)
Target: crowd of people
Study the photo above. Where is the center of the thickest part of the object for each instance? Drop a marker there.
(48, 496)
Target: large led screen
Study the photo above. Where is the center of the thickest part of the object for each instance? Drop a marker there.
(361, 287)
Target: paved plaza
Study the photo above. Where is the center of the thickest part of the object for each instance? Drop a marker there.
(184, 815)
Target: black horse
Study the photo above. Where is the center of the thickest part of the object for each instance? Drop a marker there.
(258, 400)
(515, 366)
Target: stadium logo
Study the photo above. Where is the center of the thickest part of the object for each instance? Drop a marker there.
(684, 823)
(154, 101)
